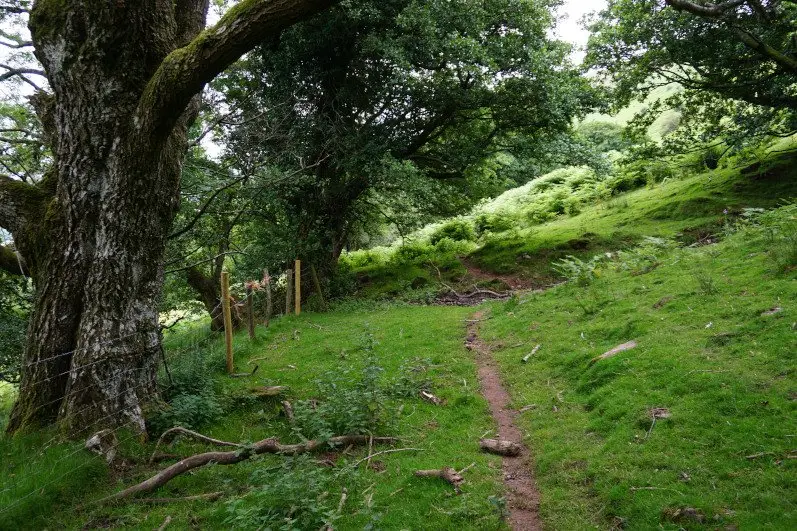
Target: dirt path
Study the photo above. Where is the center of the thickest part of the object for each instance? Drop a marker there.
(523, 499)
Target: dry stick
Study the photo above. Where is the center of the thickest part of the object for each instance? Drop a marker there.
(171, 433)
(650, 429)
(165, 523)
(272, 390)
(225, 300)
(288, 290)
(245, 374)
(501, 447)
(266, 446)
(250, 312)
(269, 308)
(530, 354)
(467, 468)
(288, 408)
(385, 452)
(317, 285)
(212, 496)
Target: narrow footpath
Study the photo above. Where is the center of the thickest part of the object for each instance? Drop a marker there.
(522, 498)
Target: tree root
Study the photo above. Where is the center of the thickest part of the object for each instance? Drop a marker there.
(266, 446)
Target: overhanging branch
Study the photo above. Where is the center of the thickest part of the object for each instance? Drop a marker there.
(184, 72)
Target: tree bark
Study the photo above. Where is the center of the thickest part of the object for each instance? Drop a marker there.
(124, 77)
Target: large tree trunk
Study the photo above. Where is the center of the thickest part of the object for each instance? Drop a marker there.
(93, 234)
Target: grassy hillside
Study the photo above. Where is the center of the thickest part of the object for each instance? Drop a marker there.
(527, 230)
(716, 334)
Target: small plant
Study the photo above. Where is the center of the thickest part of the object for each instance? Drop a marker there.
(298, 494)
(354, 401)
(578, 271)
(705, 282)
(645, 257)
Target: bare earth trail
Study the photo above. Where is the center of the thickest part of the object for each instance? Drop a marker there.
(523, 499)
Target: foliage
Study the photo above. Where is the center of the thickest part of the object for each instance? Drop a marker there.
(15, 304)
(456, 230)
(581, 272)
(733, 88)
(190, 398)
(298, 494)
(407, 112)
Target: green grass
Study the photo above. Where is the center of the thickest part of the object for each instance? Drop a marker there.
(314, 344)
(724, 371)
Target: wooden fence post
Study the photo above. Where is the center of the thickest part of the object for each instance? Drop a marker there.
(269, 308)
(225, 305)
(317, 284)
(298, 278)
(288, 290)
(250, 312)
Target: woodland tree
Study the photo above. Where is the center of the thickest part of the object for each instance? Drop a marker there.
(397, 106)
(124, 77)
(735, 59)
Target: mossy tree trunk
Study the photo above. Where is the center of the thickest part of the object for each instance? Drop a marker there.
(124, 78)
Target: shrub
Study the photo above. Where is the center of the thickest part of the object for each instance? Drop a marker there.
(353, 402)
(457, 230)
(189, 398)
(577, 270)
(492, 223)
(298, 494)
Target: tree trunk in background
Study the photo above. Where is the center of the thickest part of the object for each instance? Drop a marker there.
(93, 233)
(208, 290)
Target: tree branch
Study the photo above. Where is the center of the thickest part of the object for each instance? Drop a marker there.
(266, 446)
(17, 201)
(764, 49)
(13, 71)
(184, 72)
(707, 10)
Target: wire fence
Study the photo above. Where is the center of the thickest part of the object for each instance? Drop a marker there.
(116, 411)
(118, 415)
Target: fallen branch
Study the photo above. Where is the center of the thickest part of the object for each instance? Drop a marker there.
(245, 374)
(501, 447)
(288, 408)
(165, 523)
(448, 474)
(756, 456)
(170, 434)
(243, 453)
(429, 397)
(274, 390)
(212, 496)
(530, 354)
